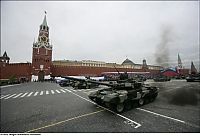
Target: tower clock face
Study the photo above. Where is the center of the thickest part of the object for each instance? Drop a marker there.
(44, 39)
(46, 34)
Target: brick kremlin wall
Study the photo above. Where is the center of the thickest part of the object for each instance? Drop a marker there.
(58, 70)
(23, 70)
(18, 70)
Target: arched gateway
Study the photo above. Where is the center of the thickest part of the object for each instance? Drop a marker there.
(41, 75)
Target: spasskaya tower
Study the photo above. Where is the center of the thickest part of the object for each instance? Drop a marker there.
(42, 53)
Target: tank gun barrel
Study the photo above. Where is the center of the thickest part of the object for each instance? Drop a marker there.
(116, 70)
(72, 78)
(87, 80)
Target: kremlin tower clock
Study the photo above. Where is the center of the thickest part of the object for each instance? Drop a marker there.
(42, 53)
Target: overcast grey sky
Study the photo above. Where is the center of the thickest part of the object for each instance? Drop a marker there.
(104, 31)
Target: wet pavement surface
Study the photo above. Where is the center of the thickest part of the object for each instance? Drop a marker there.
(39, 107)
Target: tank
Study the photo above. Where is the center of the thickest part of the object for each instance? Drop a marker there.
(65, 82)
(83, 85)
(122, 94)
(80, 83)
(161, 79)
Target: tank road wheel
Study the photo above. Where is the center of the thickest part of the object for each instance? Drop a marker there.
(153, 97)
(87, 87)
(141, 101)
(108, 105)
(98, 102)
(120, 107)
(147, 100)
(128, 105)
(94, 99)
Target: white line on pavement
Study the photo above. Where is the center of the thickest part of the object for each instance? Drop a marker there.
(35, 93)
(57, 91)
(68, 91)
(4, 96)
(52, 92)
(18, 95)
(41, 93)
(29, 94)
(62, 90)
(161, 115)
(73, 90)
(133, 122)
(10, 96)
(164, 116)
(9, 86)
(24, 94)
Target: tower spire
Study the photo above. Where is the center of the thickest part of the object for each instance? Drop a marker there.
(193, 69)
(179, 62)
(44, 23)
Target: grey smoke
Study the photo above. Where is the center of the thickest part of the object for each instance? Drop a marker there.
(162, 49)
(181, 96)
